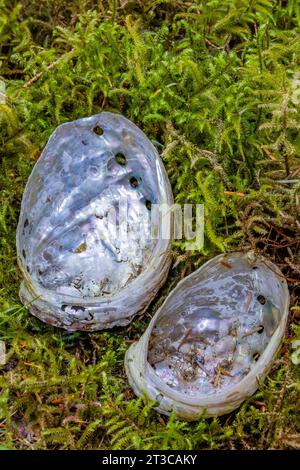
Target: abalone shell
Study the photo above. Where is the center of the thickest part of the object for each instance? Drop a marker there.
(214, 338)
(82, 268)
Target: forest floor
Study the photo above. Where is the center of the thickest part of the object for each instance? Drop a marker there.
(216, 86)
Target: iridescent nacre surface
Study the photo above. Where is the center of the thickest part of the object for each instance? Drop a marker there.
(214, 337)
(84, 236)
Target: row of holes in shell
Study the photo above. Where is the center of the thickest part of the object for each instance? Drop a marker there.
(121, 160)
(262, 300)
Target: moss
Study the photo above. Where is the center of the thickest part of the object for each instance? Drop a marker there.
(214, 85)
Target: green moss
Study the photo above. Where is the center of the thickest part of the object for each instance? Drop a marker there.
(214, 85)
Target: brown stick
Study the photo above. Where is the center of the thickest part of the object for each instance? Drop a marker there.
(49, 67)
(252, 331)
(187, 334)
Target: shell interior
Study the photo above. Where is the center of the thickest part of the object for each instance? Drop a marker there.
(216, 324)
(92, 174)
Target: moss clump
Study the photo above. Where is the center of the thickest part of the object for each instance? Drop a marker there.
(215, 85)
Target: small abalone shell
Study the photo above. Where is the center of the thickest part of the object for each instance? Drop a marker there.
(214, 337)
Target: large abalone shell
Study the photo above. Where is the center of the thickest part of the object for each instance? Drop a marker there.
(214, 338)
(82, 268)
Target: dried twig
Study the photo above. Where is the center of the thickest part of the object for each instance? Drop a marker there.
(49, 67)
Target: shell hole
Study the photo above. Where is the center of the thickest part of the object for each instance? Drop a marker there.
(84, 142)
(98, 130)
(148, 205)
(256, 356)
(24, 254)
(76, 308)
(121, 159)
(133, 182)
(93, 170)
(26, 223)
(255, 267)
(261, 299)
